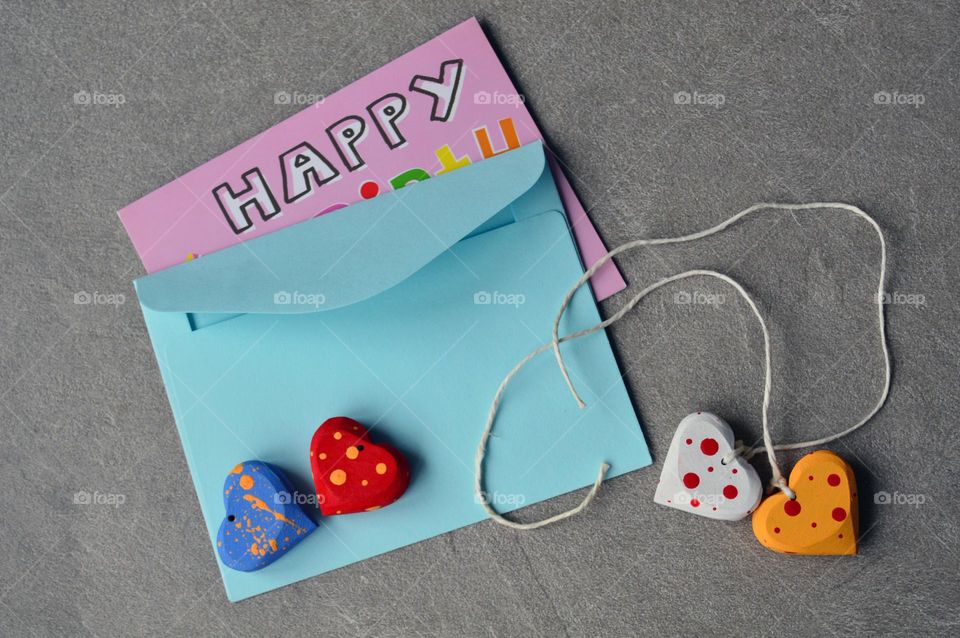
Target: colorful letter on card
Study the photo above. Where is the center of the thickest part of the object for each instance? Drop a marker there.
(440, 107)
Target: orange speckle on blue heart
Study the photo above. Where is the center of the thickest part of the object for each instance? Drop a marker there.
(259, 512)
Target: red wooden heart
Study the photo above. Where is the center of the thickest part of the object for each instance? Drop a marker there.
(350, 473)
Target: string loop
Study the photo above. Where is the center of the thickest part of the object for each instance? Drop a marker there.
(778, 481)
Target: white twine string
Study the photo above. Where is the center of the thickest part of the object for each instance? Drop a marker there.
(482, 448)
(778, 480)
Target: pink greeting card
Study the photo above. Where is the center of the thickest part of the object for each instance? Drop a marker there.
(440, 107)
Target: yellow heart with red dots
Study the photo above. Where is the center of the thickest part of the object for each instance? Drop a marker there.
(822, 520)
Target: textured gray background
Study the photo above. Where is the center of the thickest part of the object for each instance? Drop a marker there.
(83, 408)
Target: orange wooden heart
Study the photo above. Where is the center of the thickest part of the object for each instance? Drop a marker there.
(822, 520)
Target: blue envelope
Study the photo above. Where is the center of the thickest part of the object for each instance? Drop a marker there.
(404, 312)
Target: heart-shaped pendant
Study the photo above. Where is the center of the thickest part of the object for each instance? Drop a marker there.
(823, 519)
(262, 522)
(350, 473)
(695, 478)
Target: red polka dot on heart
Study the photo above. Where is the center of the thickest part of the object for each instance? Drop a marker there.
(709, 446)
(689, 441)
(833, 480)
(730, 492)
(691, 480)
(694, 503)
(792, 508)
(839, 514)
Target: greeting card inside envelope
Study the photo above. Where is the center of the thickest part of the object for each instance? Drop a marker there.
(440, 107)
(414, 349)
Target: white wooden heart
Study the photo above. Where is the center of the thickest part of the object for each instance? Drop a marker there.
(695, 479)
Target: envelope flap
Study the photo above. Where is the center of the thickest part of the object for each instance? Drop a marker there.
(350, 254)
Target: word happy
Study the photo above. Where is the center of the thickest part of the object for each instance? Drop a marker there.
(305, 170)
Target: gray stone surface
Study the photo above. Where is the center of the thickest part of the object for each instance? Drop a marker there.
(83, 408)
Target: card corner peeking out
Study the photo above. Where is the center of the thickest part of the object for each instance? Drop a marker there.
(445, 105)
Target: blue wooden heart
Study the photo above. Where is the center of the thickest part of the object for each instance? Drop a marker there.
(262, 522)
